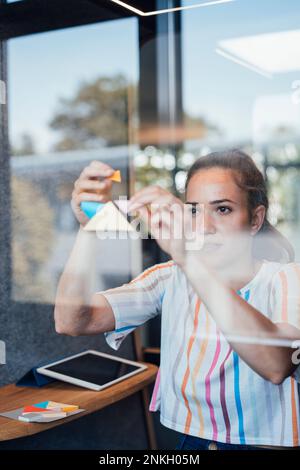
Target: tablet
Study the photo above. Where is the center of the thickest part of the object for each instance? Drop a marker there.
(92, 369)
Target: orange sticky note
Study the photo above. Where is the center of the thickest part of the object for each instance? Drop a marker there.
(116, 176)
(35, 409)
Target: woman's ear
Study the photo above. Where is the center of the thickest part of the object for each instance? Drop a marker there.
(258, 217)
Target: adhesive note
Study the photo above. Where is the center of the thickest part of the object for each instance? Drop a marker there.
(109, 219)
(90, 208)
(43, 404)
(63, 406)
(116, 176)
(51, 405)
(17, 415)
(33, 408)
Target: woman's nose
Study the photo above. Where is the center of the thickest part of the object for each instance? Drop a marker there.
(209, 223)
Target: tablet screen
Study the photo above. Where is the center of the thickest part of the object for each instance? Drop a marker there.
(92, 368)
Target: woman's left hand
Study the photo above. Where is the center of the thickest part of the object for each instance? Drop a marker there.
(166, 218)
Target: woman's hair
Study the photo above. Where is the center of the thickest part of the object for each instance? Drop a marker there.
(272, 244)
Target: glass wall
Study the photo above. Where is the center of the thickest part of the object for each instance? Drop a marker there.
(72, 100)
(241, 82)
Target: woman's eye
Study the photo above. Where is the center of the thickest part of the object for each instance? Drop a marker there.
(224, 209)
(194, 211)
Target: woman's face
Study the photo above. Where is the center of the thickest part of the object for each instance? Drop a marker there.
(224, 216)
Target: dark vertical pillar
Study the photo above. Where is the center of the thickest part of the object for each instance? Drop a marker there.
(160, 90)
(160, 102)
(169, 67)
(5, 248)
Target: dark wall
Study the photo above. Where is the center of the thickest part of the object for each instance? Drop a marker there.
(30, 337)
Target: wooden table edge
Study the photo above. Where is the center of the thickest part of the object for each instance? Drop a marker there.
(58, 391)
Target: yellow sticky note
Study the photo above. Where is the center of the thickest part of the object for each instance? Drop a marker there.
(116, 176)
(69, 408)
(62, 406)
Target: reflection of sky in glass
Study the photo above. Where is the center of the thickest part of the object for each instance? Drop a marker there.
(224, 92)
(45, 67)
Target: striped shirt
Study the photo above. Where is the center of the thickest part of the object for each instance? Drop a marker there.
(203, 388)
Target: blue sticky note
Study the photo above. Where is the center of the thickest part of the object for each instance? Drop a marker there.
(43, 404)
(90, 208)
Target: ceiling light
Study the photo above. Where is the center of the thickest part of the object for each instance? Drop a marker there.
(131, 5)
(267, 54)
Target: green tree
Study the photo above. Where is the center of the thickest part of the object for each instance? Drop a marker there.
(96, 115)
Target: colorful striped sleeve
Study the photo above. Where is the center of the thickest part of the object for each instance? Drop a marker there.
(137, 302)
(285, 299)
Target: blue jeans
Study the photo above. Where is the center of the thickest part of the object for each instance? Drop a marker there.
(196, 443)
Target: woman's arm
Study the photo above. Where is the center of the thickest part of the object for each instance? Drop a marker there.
(245, 328)
(78, 311)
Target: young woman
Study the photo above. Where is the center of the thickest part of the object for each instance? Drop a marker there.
(230, 310)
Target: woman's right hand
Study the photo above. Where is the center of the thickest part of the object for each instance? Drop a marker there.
(92, 185)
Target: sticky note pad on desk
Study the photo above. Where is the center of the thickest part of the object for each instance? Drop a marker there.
(41, 417)
(34, 409)
(53, 405)
(63, 406)
(47, 411)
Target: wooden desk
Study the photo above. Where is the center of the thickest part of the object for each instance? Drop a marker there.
(12, 397)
